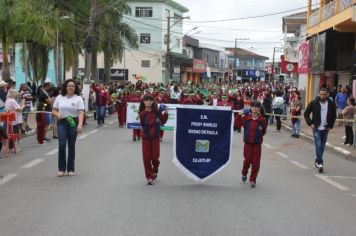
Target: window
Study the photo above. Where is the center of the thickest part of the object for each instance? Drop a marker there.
(178, 43)
(145, 38)
(206, 58)
(145, 63)
(143, 12)
(215, 60)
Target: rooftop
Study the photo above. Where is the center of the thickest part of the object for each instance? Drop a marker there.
(168, 2)
(242, 53)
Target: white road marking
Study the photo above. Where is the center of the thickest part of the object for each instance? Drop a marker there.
(94, 131)
(32, 164)
(341, 177)
(267, 146)
(83, 136)
(300, 165)
(54, 151)
(105, 126)
(7, 178)
(281, 154)
(345, 152)
(332, 182)
(354, 195)
(111, 122)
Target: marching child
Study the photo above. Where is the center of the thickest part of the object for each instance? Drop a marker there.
(151, 118)
(255, 127)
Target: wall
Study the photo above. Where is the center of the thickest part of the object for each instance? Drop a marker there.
(132, 61)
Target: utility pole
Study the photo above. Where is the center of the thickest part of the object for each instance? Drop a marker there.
(169, 64)
(234, 77)
(168, 58)
(274, 53)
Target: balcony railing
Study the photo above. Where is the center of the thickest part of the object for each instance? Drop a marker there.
(343, 4)
(329, 10)
(314, 19)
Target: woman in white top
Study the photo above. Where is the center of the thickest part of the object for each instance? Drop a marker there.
(68, 108)
(11, 105)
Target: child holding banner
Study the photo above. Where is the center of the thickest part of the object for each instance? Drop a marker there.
(151, 119)
(255, 127)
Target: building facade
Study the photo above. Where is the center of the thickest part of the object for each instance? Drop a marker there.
(149, 19)
(331, 28)
(249, 65)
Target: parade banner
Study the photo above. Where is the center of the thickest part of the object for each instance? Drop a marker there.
(133, 117)
(202, 140)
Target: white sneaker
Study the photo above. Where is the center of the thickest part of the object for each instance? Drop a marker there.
(344, 137)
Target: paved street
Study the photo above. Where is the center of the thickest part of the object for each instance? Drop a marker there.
(109, 195)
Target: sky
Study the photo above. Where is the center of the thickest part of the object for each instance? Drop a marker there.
(267, 30)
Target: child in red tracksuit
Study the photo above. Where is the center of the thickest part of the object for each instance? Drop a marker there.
(255, 127)
(151, 119)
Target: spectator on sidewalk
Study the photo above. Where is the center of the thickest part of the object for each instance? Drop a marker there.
(296, 111)
(11, 105)
(323, 112)
(340, 101)
(2, 96)
(277, 106)
(45, 97)
(26, 95)
(348, 113)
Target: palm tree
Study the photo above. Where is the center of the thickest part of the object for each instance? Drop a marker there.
(9, 13)
(114, 34)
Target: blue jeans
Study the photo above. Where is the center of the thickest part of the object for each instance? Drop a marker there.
(320, 137)
(100, 114)
(296, 127)
(66, 135)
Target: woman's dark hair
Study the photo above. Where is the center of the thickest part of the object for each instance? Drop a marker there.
(175, 88)
(64, 87)
(142, 104)
(352, 100)
(279, 93)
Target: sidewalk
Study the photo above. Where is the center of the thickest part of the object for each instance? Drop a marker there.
(335, 140)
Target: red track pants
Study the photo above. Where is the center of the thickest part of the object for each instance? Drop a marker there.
(136, 133)
(150, 152)
(252, 155)
(41, 134)
(121, 112)
(161, 133)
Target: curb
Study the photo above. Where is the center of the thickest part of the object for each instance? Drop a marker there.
(337, 150)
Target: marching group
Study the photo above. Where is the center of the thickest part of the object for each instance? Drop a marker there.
(255, 105)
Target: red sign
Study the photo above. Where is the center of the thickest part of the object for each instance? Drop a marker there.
(288, 67)
(199, 66)
(304, 58)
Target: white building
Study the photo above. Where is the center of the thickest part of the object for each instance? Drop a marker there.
(149, 19)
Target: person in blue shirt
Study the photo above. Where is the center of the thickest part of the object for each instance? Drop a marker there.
(341, 101)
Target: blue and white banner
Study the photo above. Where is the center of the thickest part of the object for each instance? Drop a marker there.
(202, 140)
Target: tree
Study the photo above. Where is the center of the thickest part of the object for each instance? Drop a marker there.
(113, 34)
(9, 13)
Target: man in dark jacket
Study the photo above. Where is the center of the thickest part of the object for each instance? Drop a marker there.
(323, 112)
